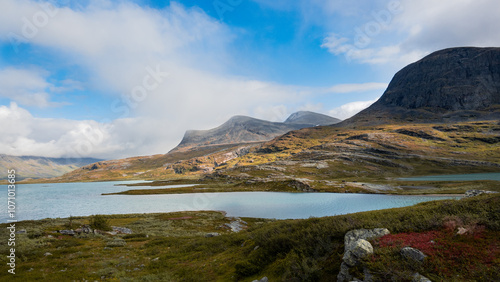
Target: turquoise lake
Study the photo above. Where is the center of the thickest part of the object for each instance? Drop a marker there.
(38, 201)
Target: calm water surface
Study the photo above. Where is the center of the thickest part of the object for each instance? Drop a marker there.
(37, 201)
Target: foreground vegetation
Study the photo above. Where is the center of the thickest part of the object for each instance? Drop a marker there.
(175, 246)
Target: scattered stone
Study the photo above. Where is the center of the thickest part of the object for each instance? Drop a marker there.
(474, 193)
(107, 248)
(462, 231)
(156, 259)
(366, 234)
(213, 234)
(263, 279)
(47, 254)
(22, 231)
(121, 230)
(86, 229)
(236, 225)
(50, 236)
(417, 277)
(413, 254)
(67, 232)
(300, 186)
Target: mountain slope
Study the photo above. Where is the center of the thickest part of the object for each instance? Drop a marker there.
(456, 84)
(40, 167)
(243, 129)
(314, 119)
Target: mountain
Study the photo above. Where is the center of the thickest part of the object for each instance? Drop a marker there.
(40, 167)
(201, 151)
(313, 119)
(451, 85)
(243, 129)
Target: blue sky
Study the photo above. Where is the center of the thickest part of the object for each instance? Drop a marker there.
(114, 79)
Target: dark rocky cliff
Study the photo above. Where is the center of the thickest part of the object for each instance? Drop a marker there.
(455, 84)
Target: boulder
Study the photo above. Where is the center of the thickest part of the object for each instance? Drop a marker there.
(366, 234)
(67, 232)
(417, 277)
(213, 234)
(412, 254)
(357, 247)
(263, 279)
(357, 251)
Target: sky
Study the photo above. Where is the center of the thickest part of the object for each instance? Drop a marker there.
(114, 79)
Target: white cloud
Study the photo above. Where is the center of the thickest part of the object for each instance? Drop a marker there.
(28, 135)
(420, 28)
(350, 109)
(361, 87)
(120, 45)
(25, 86)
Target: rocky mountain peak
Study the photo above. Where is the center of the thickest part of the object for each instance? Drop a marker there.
(454, 84)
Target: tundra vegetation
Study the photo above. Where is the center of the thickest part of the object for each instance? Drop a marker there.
(198, 246)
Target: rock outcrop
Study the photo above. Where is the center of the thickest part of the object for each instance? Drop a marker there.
(413, 255)
(366, 234)
(356, 247)
(474, 193)
(456, 84)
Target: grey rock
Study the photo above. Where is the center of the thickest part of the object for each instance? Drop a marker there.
(213, 234)
(22, 231)
(357, 251)
(366, 234)
(413, 254)
(121, 230)
(47, 254)
(67, 232)
(344, 274)
(417, 277)
(263, 279)
(474, 193)
(357, 247)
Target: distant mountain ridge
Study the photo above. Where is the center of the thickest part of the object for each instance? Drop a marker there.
(40, 167)
(456, 84)
(244, 129)
(311, 118)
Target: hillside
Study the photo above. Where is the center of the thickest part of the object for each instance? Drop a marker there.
(178, 247)
(40, 167)
(421, 125)
(243, 129)
(451, 85)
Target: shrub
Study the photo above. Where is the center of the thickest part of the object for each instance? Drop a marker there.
(100, 222)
